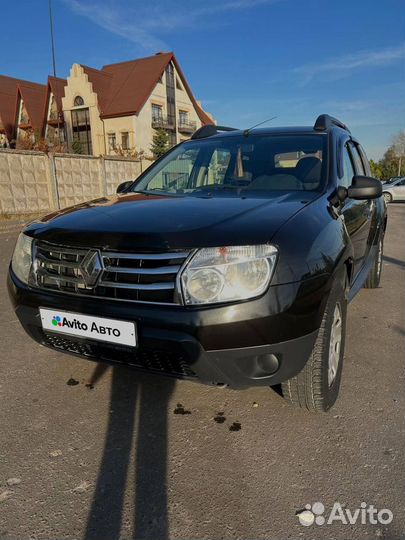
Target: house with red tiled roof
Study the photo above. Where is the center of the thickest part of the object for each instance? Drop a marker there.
(21, 107)
(30, 108)
(119, 106)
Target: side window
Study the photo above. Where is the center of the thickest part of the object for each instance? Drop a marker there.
(357, 160)
(348, 169)
(364, 160)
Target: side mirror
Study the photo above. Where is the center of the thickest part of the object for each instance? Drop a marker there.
(364, 188)
(124, 186)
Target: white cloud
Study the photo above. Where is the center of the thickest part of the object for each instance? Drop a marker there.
(343, 66)
(142, 24)
(113, 21)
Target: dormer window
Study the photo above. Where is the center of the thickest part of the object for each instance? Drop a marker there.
(78, 102)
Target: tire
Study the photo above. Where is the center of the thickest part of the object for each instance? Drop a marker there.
(374, 277)
(316, 387)
(387, 197)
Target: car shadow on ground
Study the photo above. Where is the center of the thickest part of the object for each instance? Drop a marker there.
(392, 260)
(137, 420)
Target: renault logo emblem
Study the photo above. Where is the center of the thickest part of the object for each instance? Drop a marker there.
(91, 268)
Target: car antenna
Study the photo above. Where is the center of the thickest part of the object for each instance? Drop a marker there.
(247, 131)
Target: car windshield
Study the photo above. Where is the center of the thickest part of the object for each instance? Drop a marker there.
(239, 164)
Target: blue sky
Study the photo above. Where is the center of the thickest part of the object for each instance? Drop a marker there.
(247, 60)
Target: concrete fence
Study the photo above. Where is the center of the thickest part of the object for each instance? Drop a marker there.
(32, 182)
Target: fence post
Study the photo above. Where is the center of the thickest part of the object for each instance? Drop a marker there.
(53, 177)
(103, 175)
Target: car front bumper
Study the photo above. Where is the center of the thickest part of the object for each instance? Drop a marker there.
(256, 343)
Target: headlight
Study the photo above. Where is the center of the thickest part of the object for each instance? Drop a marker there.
(226, 274)
(22, 257)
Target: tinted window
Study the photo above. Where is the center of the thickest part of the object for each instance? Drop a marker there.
(364, 160)
(357, 160)
(348, 169)
(256, 163)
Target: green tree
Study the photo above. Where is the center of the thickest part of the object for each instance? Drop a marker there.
(376, 171)
(398, 146)
(160, 143)
(393, 161)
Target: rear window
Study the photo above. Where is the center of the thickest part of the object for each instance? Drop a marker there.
(290, 159)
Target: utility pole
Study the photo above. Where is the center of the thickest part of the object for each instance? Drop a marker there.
(54, 97)
(52, 40)
(53, 61)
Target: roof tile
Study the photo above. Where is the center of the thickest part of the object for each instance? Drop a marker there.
(123, 88)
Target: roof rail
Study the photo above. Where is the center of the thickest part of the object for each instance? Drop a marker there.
(209, 130)
(324, 121)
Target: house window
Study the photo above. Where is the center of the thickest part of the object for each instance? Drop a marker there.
(125, 140)
(82, 130)
(183, 118)
(24, 119)
(112, 142)
(157, 112)
(78, 102)
(53, 109)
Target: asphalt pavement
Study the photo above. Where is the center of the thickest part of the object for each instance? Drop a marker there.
(89, 451)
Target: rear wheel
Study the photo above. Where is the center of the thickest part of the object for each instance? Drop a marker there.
(316, 387)
(374, 277)
(387, 197)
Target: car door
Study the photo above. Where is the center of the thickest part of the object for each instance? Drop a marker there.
(356, 214)
(399, 190)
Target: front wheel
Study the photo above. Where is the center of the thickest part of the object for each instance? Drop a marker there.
(316, 387)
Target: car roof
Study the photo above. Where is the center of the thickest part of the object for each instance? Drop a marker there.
(324, 124)
(279, 130)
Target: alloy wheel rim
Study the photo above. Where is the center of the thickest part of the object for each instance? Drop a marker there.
(387, 197)
(335, 345)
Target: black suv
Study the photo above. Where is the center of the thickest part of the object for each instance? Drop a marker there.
(230, 260)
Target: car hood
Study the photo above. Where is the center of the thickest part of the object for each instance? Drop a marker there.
(152, 222)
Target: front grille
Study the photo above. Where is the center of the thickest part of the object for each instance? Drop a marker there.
(156, 361)
(143, 277)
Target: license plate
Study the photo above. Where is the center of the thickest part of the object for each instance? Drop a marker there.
(87, 326)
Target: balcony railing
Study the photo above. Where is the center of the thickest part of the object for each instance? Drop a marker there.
(161, 121)
(55, 118)
(187, 126)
